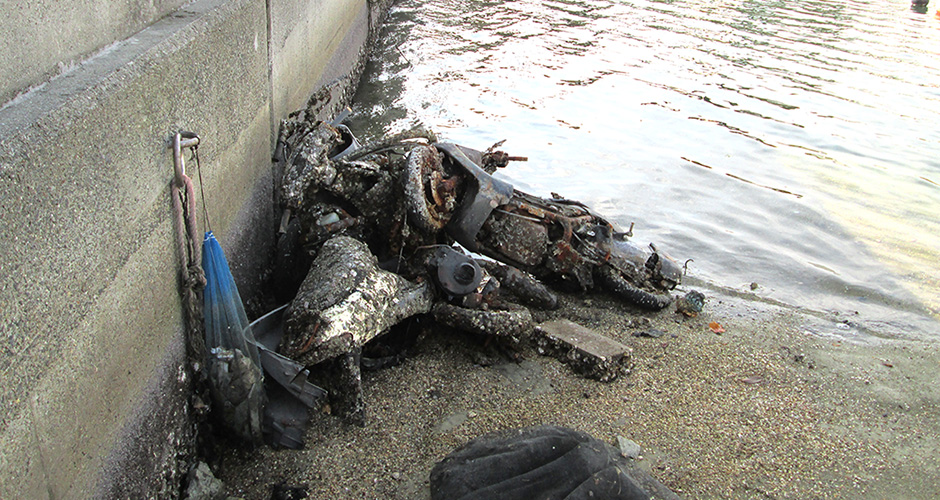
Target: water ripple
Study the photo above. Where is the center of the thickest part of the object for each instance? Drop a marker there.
(815, 122)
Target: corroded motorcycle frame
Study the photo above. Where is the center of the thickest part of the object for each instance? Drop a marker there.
(450, 187)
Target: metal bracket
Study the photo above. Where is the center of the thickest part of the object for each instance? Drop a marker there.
(483, 194)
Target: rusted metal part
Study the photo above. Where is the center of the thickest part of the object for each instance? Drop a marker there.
(482, 193)
(666, 272)
(493, 159)
(402, 140)
(457, 274)
(645, 268)
(584, 350)
(514, 322)
(556, 239)
(429, 197)
(348, 143)
(345, 301)
(182, 140)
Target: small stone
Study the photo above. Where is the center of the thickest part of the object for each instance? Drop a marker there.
(628, 448)
(754, 285)
(451, 422)
(640, 322)
(396, 476)
(203, 485)
(654, 333)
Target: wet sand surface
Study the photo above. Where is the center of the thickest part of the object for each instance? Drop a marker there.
(763, 410)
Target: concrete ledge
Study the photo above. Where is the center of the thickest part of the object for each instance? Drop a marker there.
(93, 386)
(41, 39)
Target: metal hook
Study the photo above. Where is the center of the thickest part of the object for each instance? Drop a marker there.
(182, 140)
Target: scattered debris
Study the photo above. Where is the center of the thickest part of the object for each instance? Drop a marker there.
(451, 422)
(586, 351)
(654, 333)
(716, 327)
(282, 491)
(691, 304)
(639, 322)
(628, 448)
(202, 484)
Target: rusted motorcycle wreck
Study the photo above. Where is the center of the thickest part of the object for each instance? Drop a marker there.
(372, 234)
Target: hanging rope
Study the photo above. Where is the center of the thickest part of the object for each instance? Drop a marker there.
(192, 276)
(202, 189)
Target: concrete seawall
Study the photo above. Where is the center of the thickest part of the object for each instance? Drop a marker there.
(92, 385)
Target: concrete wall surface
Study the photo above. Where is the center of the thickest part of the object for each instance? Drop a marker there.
(94, 379)
(45, 37)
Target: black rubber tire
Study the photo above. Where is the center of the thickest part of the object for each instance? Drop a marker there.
(415, 199)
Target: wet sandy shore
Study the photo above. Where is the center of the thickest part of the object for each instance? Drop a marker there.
(763, 410)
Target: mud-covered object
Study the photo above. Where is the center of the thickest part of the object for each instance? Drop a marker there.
(545, 462)
(513, 321)
(525, 287)
(345, 301)
(308, 165)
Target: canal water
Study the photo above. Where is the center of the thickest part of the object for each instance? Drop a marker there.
(790, 148)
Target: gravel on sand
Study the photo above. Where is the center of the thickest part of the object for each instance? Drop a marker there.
(765, 409)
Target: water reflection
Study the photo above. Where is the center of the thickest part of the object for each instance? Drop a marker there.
(815, 120)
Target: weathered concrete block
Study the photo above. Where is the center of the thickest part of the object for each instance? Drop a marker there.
(586, 351)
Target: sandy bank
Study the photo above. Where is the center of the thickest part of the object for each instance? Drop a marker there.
(764, 410)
